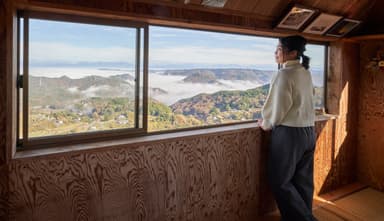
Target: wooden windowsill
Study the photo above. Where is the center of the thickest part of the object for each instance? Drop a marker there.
(133, 141)
(151, 138)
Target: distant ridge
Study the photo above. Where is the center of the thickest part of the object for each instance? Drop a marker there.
(214, 75)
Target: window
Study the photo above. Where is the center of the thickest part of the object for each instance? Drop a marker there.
(318, 53)
(79, 78)
(200, 78)
(86, 79)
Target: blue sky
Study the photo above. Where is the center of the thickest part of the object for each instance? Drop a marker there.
(67, 43)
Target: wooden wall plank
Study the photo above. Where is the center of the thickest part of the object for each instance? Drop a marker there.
(119, 184)
(3, 71)
(356, 9)
(270, 9)
(341, 144)
(371, 116)
(4, 193)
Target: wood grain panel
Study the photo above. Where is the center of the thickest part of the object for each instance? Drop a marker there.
(371, 117)
(4, 182)
(203, 178)
(334, 163)
(4, 193)
(114, 185)
(247, 5)
(270, 9)
(323, 160)
(212, 177)
(2, 81)
(373, 20)
(337, 147)
(351, 9)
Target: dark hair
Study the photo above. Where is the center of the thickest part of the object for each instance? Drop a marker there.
(296, 42)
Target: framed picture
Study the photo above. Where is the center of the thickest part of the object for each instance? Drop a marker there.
(296, 17)
(322, 23)
(343, 27)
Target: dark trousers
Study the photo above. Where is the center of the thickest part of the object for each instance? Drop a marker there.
(290, 171)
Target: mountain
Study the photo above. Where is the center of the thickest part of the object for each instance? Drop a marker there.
(64, 105)
(202, 105)
(244, 75)
(64, 90)
(201, 76)
(214, 75)
(125, 77)
(154, 91)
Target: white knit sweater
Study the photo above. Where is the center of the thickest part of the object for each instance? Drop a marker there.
(290, 98)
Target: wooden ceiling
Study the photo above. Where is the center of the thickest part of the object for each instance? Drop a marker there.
(268, 12)
(272, 9)
(242, 16)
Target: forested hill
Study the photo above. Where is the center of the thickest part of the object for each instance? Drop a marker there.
(214, 75)
(202, 105)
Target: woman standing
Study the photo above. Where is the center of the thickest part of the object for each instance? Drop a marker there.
(289, 112)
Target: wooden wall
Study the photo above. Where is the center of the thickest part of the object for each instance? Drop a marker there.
(336, 144)
(3, 165)
(218, 176)
(211, 177)
(371, 116)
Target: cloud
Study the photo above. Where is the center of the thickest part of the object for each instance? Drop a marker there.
(73, 89)
(206, 55)
(255, 54)
(92, 91)
(177, 89)
(63, 52)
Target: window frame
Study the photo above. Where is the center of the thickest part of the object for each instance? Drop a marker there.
(141, 64)
(105, 135)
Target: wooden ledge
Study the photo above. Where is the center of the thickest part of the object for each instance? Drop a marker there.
(151, 138)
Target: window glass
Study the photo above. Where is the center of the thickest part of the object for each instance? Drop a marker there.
(81, 78)
(317, 64)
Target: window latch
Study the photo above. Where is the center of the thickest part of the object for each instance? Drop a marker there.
(20, 81)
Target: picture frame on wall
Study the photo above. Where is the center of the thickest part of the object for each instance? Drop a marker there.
(343, 27)
(296, 17)
(322, 24)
